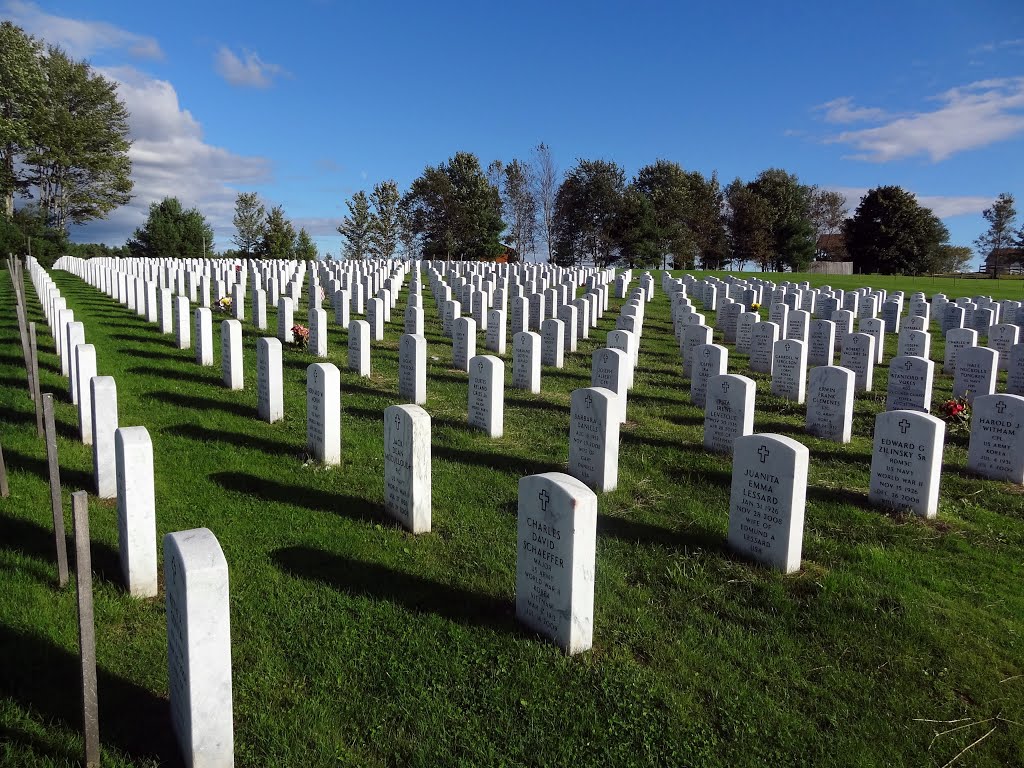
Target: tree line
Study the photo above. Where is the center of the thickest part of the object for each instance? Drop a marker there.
(665, 216)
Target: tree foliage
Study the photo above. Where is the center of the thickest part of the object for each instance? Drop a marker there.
(636, 230)
(454, 211)
(21, 90)
(891, 233)
(249, 221)
(790, 232)
(79, 164)
(546, 183)
(305, 248)
(952, 258)
(171, 232)
(827, 213)
(356, 227)
(520, 205)
(999, 236)
(385, 223)
(748, 224)
(586, 221)
(278, 240)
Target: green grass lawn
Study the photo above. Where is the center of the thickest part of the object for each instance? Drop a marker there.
(354, 643)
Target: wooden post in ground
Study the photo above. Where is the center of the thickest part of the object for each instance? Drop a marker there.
(55, 498)
(86, 630)
(34, 351)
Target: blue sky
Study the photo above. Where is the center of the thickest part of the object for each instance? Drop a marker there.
(309, 101)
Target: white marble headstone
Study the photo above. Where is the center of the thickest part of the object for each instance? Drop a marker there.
(906, 460)
(766, 505)
(199, 648)
(407, 466)
(555, 561)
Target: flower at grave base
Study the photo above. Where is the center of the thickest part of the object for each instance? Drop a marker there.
(956, 412)
(223, 305)
(754, 307)
(300, 335)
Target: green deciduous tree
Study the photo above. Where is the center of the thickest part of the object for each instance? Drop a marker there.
(278, 236)
(748, 221)
(305, 248)
(79, 159)
(587, 211)
(356, 227)
(455, 211)
(827, 213)
(994, 242)
(891, 233)
(789, 224)
(170, 232)
(249, 221)
(952, 258)
(665, 185)
(385, 223)
(22, 86)
(636, 230)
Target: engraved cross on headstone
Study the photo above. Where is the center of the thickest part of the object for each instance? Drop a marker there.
(763, 452)
(908, 365)
(1000, 406)
(589, 401)
(725, 387)
(544, 497)
(787, 346)
(904, 426)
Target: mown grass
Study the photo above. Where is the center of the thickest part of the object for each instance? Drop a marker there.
(355, 643)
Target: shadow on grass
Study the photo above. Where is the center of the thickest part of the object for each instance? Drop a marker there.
(75, 478)
(516, 465)
(34, 540)
(301, 496)
(44, 677)
(833, 496)
(146, 336)
(414, 593)
(200, 376)
(203, 403)
(202, 434)
(539, 405)
(632, 531)
(152, 354)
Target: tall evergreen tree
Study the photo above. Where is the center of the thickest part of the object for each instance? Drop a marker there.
(305, 248)
(249, 221)
(171, 232)
(385, 225)
(999, 236)
(278, 236)
(356, 227)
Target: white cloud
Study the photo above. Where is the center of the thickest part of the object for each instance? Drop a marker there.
(971, 116)
(943, 206)
(318, 226)
(253, 72)
(80, 39)
(999, 45)
(170, 158)
(843, 111)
